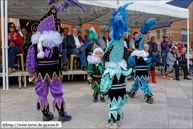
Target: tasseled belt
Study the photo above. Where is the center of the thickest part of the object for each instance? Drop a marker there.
(50, 62)
(97, 76)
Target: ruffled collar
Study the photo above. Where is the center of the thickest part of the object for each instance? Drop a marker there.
(92, 59)
(140, 53)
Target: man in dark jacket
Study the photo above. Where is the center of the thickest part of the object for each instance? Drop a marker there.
(77, 47)
(64, 47)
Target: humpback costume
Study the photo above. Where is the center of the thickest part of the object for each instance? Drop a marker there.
(141, 60)
(114, 79)
(43, 64)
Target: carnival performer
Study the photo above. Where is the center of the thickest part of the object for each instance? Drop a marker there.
(141, 60)
(43, 63)
(95, 72)
(114, 79)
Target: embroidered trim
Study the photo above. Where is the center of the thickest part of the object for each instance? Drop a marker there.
(51, 79)
(42, 108)
(58, 104)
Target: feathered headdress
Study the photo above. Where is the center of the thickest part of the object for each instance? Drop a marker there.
(92, 35)
(62, 4)
(114, 51)
(139, 41)
(118, 22)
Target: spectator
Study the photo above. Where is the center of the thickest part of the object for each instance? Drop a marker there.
(176, 44)
(126, 45)
(18, 28)
(60, 29)
(165, 44)
(77, 47)
(15, 42)
(173, 58)
(183, 47)
(171, 41)
(183, 59)
(105, 40)
(154, 49)
(24, 32)
(64, 47)
(59, 21)
(129, 37)
(152, 65)
(132, 41)
(79, 33)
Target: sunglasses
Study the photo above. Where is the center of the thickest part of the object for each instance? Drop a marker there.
(12, 27)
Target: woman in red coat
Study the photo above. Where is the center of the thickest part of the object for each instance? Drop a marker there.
(14, 42)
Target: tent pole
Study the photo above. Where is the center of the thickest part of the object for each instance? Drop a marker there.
(117, 4)
(188, 41)
(3, 41)
(6, 43)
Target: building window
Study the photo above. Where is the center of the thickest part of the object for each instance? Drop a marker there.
(148, 38)
(183, 35)
(158, 34)
(165, 32)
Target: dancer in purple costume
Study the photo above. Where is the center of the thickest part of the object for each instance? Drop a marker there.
(43, 65)
(43, 60)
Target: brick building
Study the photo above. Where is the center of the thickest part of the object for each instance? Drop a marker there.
(177, 29)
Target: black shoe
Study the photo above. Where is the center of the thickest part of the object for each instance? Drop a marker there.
(48, 117)
(80, 49)
(149, 100)
(188, 78)
(95, 99)
(64, 68)
(159, 64)
(178, 79)
(131, 94)
(84, 68)
(64, 118)
(102, 99)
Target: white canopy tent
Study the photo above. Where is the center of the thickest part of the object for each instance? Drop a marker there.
(100, 13)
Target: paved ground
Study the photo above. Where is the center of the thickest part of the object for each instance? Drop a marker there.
(172, 106)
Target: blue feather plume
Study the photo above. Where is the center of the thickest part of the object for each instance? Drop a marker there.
(147, 25)
(118, 22)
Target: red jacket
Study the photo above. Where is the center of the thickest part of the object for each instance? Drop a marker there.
(18, 41)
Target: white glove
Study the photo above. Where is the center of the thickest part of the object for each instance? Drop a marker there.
(30, 79)
(145, 59)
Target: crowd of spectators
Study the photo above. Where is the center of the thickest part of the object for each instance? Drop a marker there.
(19, 40)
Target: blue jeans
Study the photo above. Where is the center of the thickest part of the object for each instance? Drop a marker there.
(82, 54)
(12, 52)
(64, 56)
(156, 58)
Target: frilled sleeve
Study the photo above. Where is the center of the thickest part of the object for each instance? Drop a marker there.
(89, 71)
(131, 61)
(60, 48)
(31, 61)
(106, 83)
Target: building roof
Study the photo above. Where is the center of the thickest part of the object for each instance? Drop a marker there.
(180, 3)
(161, 25)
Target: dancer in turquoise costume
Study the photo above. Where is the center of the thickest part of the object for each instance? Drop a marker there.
(140, 60)
(114, 79)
